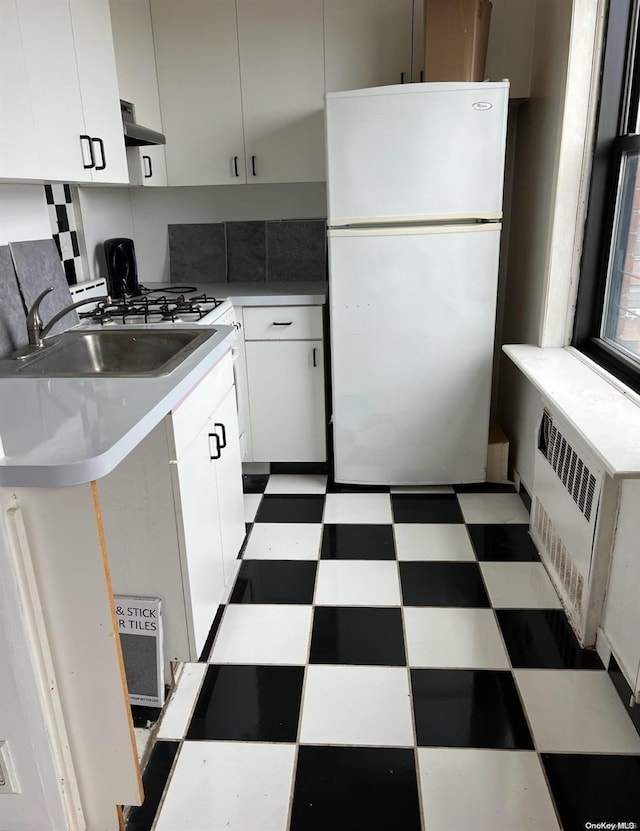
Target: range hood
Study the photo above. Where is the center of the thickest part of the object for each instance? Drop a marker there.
(135, 135)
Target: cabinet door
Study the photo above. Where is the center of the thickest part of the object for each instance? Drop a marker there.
(282, 69)
(229, 481)
(138, 83)
(18, 148)
(286, 397)
(367, 43)
(196, 46)
(200, 520)
(54, 89)
(99, 89)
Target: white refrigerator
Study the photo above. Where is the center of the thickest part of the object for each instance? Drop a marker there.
(414, 190)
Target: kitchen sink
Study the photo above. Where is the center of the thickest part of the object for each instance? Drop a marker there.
(124, 352)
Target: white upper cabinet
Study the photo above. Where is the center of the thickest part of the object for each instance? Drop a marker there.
(282, 71)
(66, 70)
(96, 64)
(196, 46)
(138, 83)
(368, 43)
(18, 148)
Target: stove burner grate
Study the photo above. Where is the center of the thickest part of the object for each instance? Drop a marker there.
(161, 309)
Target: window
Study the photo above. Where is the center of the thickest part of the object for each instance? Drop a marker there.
(607, 324)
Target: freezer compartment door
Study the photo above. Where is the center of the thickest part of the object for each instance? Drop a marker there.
(412, 332)
(416, 151)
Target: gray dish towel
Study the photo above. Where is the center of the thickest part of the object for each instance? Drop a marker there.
(38, 266)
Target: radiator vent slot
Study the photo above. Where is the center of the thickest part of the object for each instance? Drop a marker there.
(562, 562)
(575, 476)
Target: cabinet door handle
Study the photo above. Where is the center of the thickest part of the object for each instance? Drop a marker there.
(288, 323)
(402, 77)
(100, 144)
(92, 161)
(421, 75)
(253, 165)
(315, 360)
(148, 167)
(97, 140)
(223, 443)
(235, 166)
(216, 437)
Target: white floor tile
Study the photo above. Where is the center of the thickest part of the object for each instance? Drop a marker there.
(296, 483)
(493, 507)
(357, 583)
(177, 712)
(251, 502)
(263, 634)
(576, 711)
(362, 508)
(461, 638)
(356, 705)
(464, 788)
(229, 785)
(284, 541)
(409, 489)
(519, 586)
(432, 541)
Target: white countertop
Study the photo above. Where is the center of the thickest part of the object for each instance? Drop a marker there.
(259, 293)
(604, 416)
(68, 431)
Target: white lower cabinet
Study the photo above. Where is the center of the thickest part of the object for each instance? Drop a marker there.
(173, 513)
(285, 381)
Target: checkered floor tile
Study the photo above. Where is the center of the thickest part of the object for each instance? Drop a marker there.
(391, 659)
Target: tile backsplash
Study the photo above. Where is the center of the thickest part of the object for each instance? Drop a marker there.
(274, 251)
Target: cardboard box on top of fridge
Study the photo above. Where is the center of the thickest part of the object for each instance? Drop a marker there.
(456, 34)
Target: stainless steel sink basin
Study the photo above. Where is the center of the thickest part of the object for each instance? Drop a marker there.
(123, 352)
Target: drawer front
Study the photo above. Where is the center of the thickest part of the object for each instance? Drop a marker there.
(193, 411)
(283, 323)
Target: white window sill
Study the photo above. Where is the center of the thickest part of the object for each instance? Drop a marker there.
(604, 412)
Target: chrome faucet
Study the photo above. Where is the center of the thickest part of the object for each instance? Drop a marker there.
(35, 328)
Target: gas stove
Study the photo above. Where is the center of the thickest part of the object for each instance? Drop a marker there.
(158, 307)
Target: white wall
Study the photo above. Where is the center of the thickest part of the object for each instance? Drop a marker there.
(105, 213)
(622, 610)
(547, 209)
(145, 213)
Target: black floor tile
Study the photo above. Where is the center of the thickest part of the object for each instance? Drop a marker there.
(143, 716)
(154, 780)
(349, 788)
(336, 487)
(254, 482)
(468, 708)
(624, 691)
(589, 790)
(208, 644)
(543, 639)
(357, 542)
(274, 581)
(526, 499)
(442, 584)
(308, 468)
(437, 507)
(486, 487)
(292, 508)
(357, 636)
(248, 703)
(503, 543)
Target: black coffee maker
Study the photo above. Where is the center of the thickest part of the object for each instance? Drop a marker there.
(122, 270)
